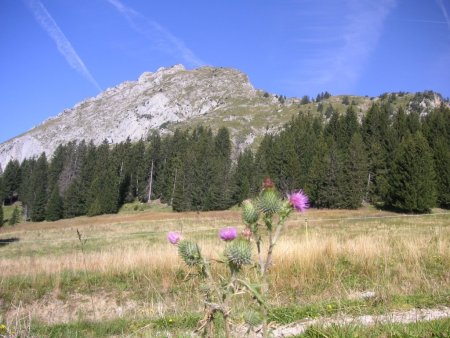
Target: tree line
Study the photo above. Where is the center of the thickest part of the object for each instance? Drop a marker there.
(387, 158)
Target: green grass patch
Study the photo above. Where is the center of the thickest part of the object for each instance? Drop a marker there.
(104, 328)
(160, 327)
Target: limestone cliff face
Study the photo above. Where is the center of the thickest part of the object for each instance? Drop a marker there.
(132, 109)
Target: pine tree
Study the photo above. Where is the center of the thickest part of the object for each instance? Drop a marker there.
(317, 174)
(103, 197)
(441, 153)
(54, 208)
(26, 191)
(242, 177)
(331, 192)
(74, 200)
(11, 181)
(412, 179)
(355, 173)
(2, 190)
(56, 166)
(39, 184)
(15, 216)
(1, 214)
(220, 190)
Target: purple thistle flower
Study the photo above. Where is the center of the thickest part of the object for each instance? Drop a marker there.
(299, 200)
(173, 237)
(228, 234)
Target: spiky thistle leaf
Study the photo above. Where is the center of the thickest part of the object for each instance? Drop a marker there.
(189, 252)
(252, 318)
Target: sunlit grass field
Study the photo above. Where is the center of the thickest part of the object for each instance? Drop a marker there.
(122, 277)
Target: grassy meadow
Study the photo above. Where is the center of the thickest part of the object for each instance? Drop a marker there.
(121, 277)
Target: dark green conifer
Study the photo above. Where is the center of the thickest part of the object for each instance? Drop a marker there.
(412, 178)
(74, 200)
(55, 207)
(15, 217)
(441, 153)
(39, 184)
(11, 181)
(355, 173)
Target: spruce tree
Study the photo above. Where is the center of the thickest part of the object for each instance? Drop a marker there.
(412, 178)
(11, 181)
(441, 153)
(15, 217)
(104, 194)
(56, 166)
(355, 173)
(2, 190)
(243, 177)
(74, 200)
(331, 194)
(26, 190)
(55, 208)
(317, 174)
(39, 182)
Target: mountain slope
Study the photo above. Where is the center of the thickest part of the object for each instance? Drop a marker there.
(171, 98)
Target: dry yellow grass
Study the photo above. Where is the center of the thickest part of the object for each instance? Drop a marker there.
(337, 257)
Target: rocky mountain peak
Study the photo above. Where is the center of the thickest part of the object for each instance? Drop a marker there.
(133, 108)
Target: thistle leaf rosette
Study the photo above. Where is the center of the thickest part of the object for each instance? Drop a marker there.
(238, 253)
(190, 253)
(249, 213)
(269, 202)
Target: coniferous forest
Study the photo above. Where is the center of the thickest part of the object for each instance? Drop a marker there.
(393, 160)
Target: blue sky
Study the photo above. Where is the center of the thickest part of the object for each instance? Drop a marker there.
(55, 53)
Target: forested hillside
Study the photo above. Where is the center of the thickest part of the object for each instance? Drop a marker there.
(388, 158)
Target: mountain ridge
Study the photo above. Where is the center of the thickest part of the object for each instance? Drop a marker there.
(175, 97)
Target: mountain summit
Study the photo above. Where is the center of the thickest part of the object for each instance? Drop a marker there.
(175, 97)
(133, 108)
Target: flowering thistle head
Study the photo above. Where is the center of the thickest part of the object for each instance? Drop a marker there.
(228, 234)
(173, 237)
(299, 200)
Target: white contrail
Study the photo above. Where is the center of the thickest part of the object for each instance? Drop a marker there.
(46, 21)
(160, 36)
(444, 11)
(339, 53)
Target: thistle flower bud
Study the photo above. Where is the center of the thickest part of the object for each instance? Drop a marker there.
(239, 253)
(247, 234)
(249, 213)
(268, 183)
(269, 202)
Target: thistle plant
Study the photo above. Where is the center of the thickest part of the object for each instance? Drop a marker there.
(264, 219)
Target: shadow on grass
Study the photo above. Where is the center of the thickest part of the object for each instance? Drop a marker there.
(6, 241)
(386, 207)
